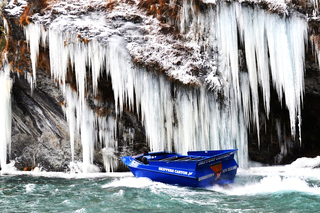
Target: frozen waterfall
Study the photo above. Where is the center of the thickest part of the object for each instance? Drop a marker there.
(177, 117)
(199, 117)
(5, 109)
(274, 49)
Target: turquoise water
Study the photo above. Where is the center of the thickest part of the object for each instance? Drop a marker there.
(255, 190)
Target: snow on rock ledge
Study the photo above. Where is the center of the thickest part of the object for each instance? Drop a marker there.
(146, 43)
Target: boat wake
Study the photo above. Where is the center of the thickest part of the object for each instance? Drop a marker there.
(270, 185)
(130, 182)
(303, 176)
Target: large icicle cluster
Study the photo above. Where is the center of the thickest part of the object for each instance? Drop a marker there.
(274, 50)
(175, 121)
(175, 117)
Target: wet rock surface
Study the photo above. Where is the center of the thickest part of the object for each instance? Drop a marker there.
(39, 131)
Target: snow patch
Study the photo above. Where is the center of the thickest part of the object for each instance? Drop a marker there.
(306, 162)
(16, 7)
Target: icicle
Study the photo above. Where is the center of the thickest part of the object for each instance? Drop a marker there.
(71, 101)
(107, 135)
(286, 46)
(315, 6)
(298, 41)
(33, 35)
(6, 27)
(88, 137)
(5, 108)
(262, 57)
(81, 119)
(246, 24)
(118, 64)
(228, 45)
(59, 56)
(246, 102)
(96, 55)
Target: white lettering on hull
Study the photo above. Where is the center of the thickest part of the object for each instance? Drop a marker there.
(175, 171)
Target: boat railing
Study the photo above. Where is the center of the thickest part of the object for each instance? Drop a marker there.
(181, 158)
(170, 158)
(197, 158)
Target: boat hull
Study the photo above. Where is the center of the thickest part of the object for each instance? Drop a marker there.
(200, 169)
(165, 178)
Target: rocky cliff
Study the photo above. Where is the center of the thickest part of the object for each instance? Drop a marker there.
(173, 52)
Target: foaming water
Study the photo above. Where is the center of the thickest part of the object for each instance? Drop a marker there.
(71, 175)
(270, 185)
(257, 189)
(130, 182)
(30, 187)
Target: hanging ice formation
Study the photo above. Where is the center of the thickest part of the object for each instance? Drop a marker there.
(188, 118)
(5, 122)
(5, 108)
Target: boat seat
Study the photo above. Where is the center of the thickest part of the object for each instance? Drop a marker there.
(197, 158)
(179, 158)
(169, 159)
(183, 159)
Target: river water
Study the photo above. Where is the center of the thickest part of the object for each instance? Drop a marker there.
(256, 189)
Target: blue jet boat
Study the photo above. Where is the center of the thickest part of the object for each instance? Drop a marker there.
(196, 169)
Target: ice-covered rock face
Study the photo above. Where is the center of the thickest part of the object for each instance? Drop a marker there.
(112, 42)
(143, 36)
(198, 48)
